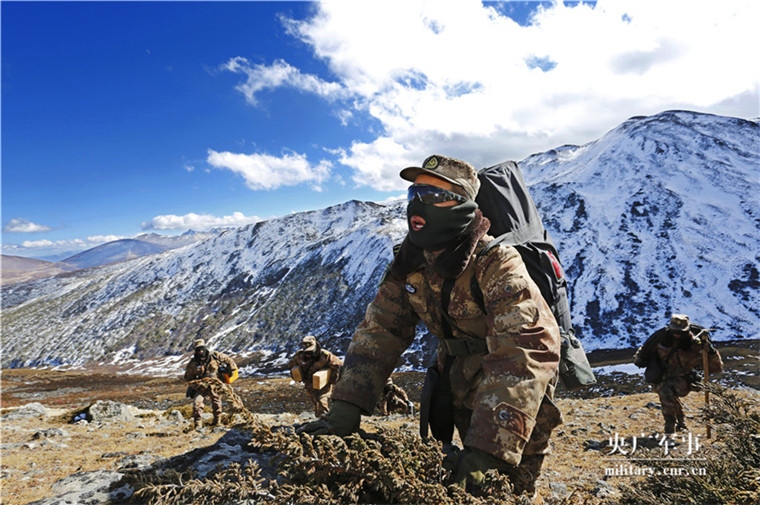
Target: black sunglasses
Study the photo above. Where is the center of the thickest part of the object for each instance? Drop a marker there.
(432, 194)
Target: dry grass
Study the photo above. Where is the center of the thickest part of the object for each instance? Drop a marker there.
(577, 464)
(30, 471)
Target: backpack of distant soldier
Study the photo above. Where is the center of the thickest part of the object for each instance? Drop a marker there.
(647, 357)
(504, 199)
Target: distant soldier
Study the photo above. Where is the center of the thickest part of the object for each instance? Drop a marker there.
(206, 364)
(394, 400)
(312, 360)
(671, 354)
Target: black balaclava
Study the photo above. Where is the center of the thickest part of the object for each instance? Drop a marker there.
(677, 338)
(443, 225)
(201, 354)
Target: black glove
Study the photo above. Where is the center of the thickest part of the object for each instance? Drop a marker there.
(342, 419)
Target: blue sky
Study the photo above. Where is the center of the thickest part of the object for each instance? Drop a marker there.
(125, 118)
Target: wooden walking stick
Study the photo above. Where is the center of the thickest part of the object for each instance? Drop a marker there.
(706, 368)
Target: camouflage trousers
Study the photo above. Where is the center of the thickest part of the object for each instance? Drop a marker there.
(216, 405)
(523, 476)
(320, 399)
(670, 391)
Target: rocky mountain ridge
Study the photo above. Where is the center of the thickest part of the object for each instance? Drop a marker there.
(658, 215)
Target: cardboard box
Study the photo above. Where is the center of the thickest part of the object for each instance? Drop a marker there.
(295, 372)
(320, 379)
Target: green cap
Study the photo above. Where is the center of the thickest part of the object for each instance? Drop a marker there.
(457, 172)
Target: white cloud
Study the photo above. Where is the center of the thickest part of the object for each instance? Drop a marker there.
(280, 73)
(75, 243)
(263, 171)
(459, 78)
(198, 221)
(37, 243)
(20, 225)
(102, 239)
(57, 244)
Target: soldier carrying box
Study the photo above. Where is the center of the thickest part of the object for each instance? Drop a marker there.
(318, 369)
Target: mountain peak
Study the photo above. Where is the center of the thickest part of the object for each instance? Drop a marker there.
(657, 216)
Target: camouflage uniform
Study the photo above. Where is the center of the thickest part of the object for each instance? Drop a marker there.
(199, 370)
(680, 356)
(309, 365)
(503, 394)
(393, 400)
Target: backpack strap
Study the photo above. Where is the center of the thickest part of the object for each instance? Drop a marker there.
(477, 293)
(475, 290)
(446, 288)
(452, 345)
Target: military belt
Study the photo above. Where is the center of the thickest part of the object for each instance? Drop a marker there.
(464, 346)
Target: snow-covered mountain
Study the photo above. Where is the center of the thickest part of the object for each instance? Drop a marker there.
(142, 245)
(114, 251)
(19, 269)
(175, 241)
(658, 215)
(261, 287)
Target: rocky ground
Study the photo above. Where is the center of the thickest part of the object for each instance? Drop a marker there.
(75, 436)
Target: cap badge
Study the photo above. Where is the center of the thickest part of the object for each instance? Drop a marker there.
(431, 163)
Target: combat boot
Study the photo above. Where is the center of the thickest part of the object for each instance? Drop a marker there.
(215, 422)
(680, 424)
(197, 424)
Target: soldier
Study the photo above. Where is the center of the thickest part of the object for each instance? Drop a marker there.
(501, 365)
(394, 400)
(204, 364)
(679, 348)
(310, 359)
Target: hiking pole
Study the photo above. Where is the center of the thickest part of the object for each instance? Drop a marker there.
(706, 368)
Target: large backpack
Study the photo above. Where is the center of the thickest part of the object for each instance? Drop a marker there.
(504, 199)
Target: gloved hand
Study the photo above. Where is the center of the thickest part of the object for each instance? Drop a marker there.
(450, 457)
(471, 466)
(342, 419)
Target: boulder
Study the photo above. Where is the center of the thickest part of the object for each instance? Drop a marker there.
(26, 412)
(107, 411)
(87, 488)
(50, 433)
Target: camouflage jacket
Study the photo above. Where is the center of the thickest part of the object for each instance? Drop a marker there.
(196, 370)
(391, 396)
(504, 385)
(680, 359)
(309, 366)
